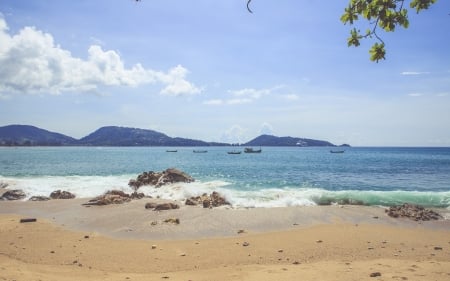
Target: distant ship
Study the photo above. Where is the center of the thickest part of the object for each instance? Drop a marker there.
(234, 152)
(251, 150)
(337, 151)
(200, 151)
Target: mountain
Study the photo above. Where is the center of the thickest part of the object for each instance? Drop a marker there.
(268, 140)
(122, 136)
(24, 135)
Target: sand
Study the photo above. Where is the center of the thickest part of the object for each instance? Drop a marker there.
(127, 242)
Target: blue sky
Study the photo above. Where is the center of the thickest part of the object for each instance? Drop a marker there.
(210, 70)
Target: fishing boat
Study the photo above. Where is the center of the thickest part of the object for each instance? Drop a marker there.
(251, 150)
(337, 151)
(200, 151)
(234, 152)
(171, 150)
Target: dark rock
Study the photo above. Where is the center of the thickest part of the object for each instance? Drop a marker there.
(15, 194)
(150, 205)
(39, 198)
(218, 200)
(375, 274)
(159, 178)
(110, 197)
(208, 201)
(191, 202)
(172, 220)
(58, 194)
(166, 206)
(414, 212)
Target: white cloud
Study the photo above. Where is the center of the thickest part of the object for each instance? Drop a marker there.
(238, 101)
(250, 93)
(415, 94)
(213, 102)
(291, 97)
(413, 73)
(266, 129)
(235, 134)
(32, 63)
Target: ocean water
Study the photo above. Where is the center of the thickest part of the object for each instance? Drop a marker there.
(277, 177)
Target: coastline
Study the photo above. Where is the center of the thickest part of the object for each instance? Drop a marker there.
(119, 242)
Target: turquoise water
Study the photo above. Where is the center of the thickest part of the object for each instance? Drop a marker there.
(279, 176)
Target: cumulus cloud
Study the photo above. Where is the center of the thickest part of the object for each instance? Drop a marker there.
(31, 62)
(235, 134)
(266, 129)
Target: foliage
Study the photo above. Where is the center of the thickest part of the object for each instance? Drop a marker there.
(384, 14)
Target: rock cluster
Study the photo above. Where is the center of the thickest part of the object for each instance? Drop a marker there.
(208, 201)
(415, 212)
(114, 197)
(159, 178)
(15, 194)
(60, 194)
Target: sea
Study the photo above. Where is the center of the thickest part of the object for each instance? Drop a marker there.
(276, 177)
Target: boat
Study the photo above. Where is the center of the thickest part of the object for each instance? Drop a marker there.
(337, 151)
(234, 152)
(200, 151)
(251, 150)
(171, 150)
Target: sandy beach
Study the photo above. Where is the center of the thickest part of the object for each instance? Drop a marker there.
(127, 242)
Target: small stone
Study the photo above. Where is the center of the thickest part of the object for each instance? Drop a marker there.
(245, 244)
(280, 250)
(182, 255)
(153, 247)
(241, 231)
(86, 237)
(375, 274)
(319, 241)
(437, 248)
(296, 263)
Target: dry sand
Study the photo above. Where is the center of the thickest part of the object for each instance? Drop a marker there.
(71, 242)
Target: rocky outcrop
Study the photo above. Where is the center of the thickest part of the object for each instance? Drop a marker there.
(114, 197)
(39, 198)
(208, 201)
(414, 212)
(61, 194)
(160, 178)
(15, 194)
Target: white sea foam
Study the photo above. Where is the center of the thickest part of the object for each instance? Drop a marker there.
(91, 186)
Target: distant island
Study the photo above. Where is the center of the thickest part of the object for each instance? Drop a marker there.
(26, 135)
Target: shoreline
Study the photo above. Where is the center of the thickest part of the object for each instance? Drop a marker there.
(132, 221)
(119, 242)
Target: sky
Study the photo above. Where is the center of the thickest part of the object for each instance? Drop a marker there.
(210, 70)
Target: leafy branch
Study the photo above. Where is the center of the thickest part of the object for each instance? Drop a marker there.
(384, 14)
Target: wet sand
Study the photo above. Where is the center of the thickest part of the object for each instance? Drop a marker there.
(128, 242)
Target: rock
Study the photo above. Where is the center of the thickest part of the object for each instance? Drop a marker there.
(207, 204)
(414, 212)
(208, 201)
(3, 185)
(166, 206)
(58, 194)
(191, 202)
(39, 198)
(15, 194)
(159, 179)
(375, 274)
(245, 244)
(218, 200)
(150, 205)
(172, 220)
(110, 197)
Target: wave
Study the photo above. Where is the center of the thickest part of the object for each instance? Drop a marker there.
(91, 186)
